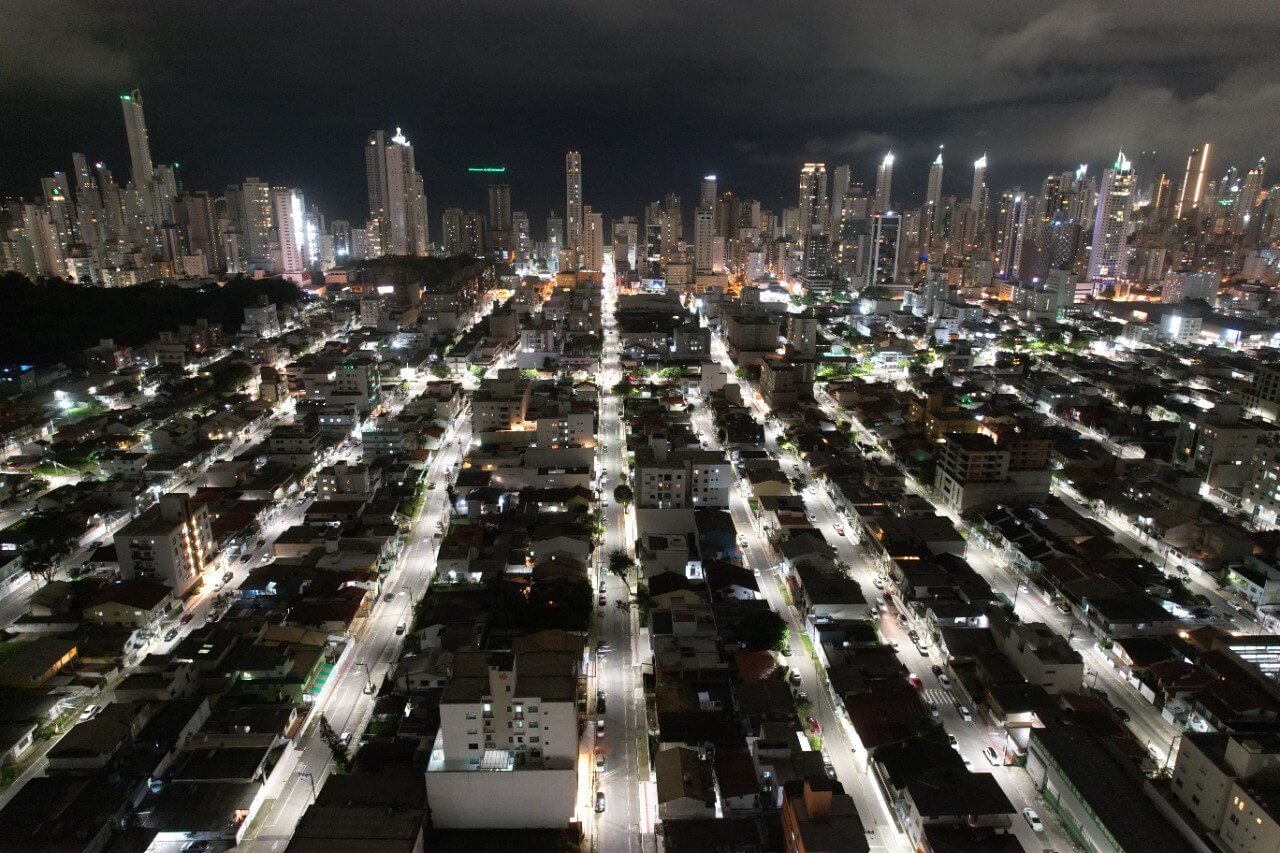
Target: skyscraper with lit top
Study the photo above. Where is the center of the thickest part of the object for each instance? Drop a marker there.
(1111, 221)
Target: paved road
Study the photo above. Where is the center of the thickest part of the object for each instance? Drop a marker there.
(345, 702)
(627, 816)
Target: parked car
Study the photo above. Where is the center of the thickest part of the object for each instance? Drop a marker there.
(244, 558)
(170, 635)
(87, 713)
(915, 681)
(228, 576)
(794, 677)
(951, 739)
(600, 727)
(944, 681)
(599, 801)
(1033, 819)
(391, 596)
(600, 762)
(839, 529)
(1121, 713)
(937, 670)
(602, 600)
(991, 755)
(814, 727)
(401, 628)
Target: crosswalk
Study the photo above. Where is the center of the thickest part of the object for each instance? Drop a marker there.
(938, 696)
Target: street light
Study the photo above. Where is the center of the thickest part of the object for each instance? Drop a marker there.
(368, 677)
(306, 775)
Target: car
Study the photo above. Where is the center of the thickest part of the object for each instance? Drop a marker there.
(944, 680)
(602, 589)
(228, 576)
(877, 583)
(345, 738)
(814, 727)
(401, 628)
(794, 678)
(1121, 713)
(600, 762)
(902, 619)
(936, 670)
(801, 696)
(1033, 819)
(1236, 606)
(600, 727)
(599, 801)
(915, 681)
(88, 712)
(813, 518)
(262, 542)
(839, 529)
(170, 635)
(391, 596)
(244, 558)
(786, 651)
(603, 648)
(991, 755)
(915, 637)
(933, 710)
(602, 600)
(964, 713)
(951, 739)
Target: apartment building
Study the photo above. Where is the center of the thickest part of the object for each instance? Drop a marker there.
(507, 749)
(670, 479)
(171, 543)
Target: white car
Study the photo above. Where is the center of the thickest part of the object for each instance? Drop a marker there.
(1034, 819)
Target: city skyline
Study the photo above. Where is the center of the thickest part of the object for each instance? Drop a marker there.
(1044, 89)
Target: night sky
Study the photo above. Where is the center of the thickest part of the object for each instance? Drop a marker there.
(654, 93)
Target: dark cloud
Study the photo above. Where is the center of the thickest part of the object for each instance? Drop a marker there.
(655, 94)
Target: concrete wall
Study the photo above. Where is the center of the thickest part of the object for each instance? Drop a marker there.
(503, 800)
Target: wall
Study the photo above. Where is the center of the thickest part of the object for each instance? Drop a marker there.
(502, 800)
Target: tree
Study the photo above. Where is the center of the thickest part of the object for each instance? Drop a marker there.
(439, 370)
(763, 630)
(1141, 397)
(622, 494)
(334, 741)
(620, 564)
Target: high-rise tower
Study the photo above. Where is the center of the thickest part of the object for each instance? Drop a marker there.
(1111, 223)
(933, 195)
(978, 198)
(573, 201)
(135, 127)
(397, 200)
(813, 199)
(884, 183)
(1193, 181)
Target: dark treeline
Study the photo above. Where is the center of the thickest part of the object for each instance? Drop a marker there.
(54, 321)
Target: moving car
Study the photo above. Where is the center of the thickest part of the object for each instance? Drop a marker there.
(991, 755)
(915, 681)
(964, 713)
(944, 681)
(1033, 819)
(186, 617)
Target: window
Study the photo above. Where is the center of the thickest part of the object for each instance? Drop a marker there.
(471, 715)
(473, 746)
(472, 731)
(533, 739)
